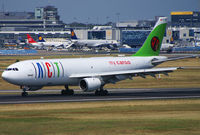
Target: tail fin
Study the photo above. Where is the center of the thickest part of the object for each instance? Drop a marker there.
(40, 38)
(152, 44)
(73, 35)
(30, 39)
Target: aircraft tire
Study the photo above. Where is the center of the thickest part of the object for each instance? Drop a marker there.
(101, 92)
(105, 92)
(71, 92)
(24, 94)
(97, 93)
(67, 92)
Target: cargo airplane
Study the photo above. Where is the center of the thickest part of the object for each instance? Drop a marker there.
(91, 74)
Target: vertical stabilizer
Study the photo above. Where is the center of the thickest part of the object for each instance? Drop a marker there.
(152, 44)
(40, 38)
(73, 35)
(30, 39)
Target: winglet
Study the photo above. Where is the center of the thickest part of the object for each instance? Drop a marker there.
(152, 44)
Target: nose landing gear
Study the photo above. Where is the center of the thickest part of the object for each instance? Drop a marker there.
(67, 91)
(24, 93)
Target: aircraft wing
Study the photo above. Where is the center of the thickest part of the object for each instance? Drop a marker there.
(137, 72)
(69, 45)
(174, 58)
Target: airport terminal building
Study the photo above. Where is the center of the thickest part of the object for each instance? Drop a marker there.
(134, 33)
(184, 26)
(44, 20)
(185, 19)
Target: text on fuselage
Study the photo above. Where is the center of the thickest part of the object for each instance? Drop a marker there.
(120, 62)
(48, 69)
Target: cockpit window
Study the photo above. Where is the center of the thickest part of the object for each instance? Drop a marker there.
(15, 69)
(12, 69)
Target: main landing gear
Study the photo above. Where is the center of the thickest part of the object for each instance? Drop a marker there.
(67, 91)
(101, 92)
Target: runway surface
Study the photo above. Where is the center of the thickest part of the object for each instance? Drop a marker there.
(52, 96)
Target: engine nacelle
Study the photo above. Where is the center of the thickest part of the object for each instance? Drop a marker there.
(90, 84)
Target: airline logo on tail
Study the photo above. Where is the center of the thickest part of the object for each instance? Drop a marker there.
(40, 38)
(155, 43)
(30, 39)
(73, 35)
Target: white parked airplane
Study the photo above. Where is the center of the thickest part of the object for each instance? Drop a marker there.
(91, 74)
(43, 43)
(92, 43)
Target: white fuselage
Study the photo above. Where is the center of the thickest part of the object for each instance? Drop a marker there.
(51, 44)
(95, 43)
(54, 44)
(50, 72)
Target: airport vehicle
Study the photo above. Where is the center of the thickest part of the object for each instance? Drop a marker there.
(91, 74)
(93, 43)
(42, 43)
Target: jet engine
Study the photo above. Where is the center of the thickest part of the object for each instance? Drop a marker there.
(90, 84)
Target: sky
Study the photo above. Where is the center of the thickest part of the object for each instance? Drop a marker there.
(102, 11)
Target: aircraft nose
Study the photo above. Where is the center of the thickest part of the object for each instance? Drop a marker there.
(7, 76)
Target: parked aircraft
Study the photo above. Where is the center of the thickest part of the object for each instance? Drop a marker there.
(32, 41)
(91, 74)
(93, 43)
(42, 43)
(63, 44)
